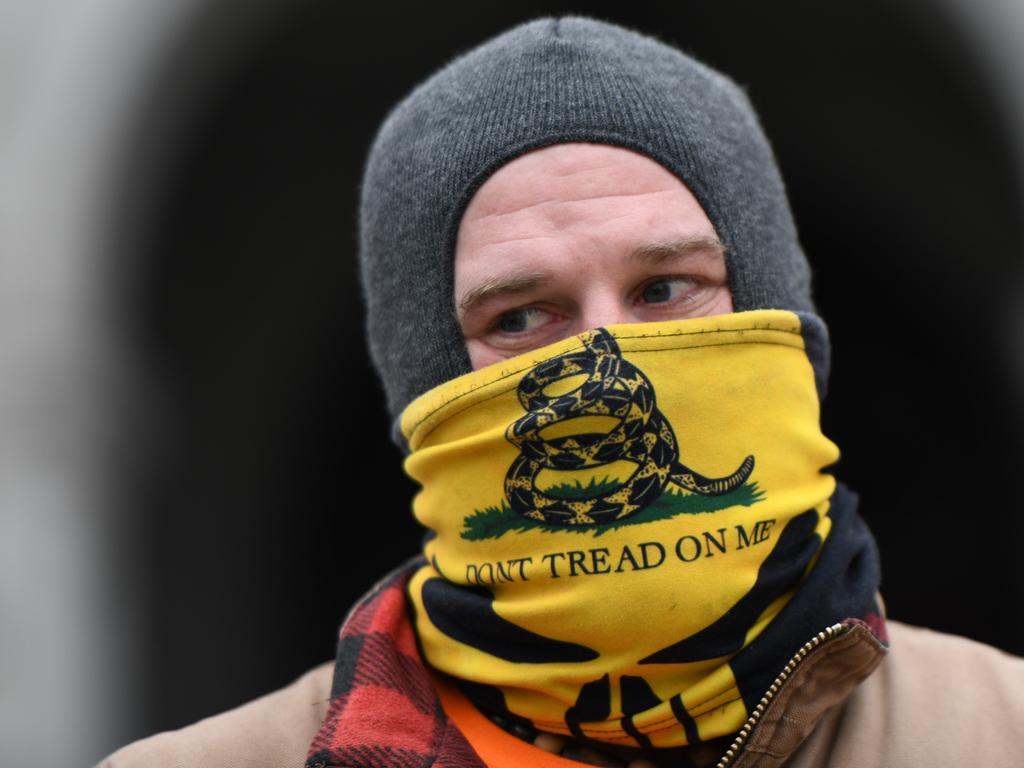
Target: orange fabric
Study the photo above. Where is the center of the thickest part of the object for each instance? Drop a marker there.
(494, 746)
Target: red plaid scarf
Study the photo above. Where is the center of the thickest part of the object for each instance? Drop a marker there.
(384, 712)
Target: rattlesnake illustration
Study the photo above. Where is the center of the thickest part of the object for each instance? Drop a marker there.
(616, 388)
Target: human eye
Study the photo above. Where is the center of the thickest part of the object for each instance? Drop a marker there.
(521, 320)
(666, 290)
(517, 330)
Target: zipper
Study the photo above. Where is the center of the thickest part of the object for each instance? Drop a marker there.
(755, 716)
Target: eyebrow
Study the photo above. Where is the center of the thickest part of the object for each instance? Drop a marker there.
(500, 287)
(660, 252)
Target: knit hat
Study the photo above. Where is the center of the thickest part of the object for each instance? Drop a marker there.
(544, 82)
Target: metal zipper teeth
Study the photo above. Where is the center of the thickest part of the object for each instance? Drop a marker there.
(755, 716)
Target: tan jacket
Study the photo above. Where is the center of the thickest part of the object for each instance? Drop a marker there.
(934, 700)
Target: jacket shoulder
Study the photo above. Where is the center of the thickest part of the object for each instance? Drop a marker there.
(937, 699)
(273, 731)
(968, 676)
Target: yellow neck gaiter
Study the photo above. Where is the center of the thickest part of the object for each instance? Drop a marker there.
(614, 517)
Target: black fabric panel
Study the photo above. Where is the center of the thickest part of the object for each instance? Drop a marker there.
(594, 703)
(842, 585)
(780, 571)
(637, 695)
(684, 718)
(467, 615)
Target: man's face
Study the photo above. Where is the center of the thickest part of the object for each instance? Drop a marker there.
(576, 236)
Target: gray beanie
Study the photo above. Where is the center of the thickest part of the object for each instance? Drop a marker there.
(540, 83)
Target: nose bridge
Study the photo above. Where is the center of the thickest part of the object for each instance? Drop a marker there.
(602, 306)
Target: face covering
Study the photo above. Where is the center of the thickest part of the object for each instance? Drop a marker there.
(617, 522)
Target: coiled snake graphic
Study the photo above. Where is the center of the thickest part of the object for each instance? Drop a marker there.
(616, 388)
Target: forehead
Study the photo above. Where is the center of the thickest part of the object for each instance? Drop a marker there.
(574, 202)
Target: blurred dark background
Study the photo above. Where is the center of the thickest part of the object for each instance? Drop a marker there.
(243, 519)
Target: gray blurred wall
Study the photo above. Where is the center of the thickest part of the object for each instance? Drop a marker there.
(73, 74)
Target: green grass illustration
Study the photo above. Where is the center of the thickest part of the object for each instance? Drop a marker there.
(495, 522)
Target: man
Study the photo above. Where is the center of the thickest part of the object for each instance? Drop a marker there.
(591, 315)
